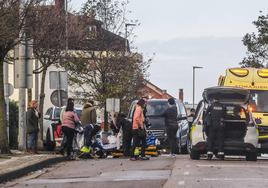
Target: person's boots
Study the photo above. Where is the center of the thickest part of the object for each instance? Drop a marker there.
(35, 151)
(221, 155)
(209, 155)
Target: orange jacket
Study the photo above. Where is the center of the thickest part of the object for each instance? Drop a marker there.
(138, 118)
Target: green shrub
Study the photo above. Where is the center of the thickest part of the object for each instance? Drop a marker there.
(13, 124)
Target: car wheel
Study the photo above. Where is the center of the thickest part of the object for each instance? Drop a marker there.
(252, 156)
(50, 145)
(194, 155)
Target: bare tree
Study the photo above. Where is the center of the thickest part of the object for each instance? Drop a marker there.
(49, 36)
(12, 21)
(104, 62)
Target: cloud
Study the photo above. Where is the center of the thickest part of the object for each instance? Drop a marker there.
(172, 66)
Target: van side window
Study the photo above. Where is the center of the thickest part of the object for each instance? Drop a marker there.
(132, 108)
(48, 112)
(178, 109)
(182, 110)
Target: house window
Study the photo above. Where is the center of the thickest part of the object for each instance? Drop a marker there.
(92, 31)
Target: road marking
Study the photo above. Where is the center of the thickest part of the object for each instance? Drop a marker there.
(188, 166)
(165, 155)
(232, 166)
(235, 179)
(181, 183)
(110, 177)
(186, 173)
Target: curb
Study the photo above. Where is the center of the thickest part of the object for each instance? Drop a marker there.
(26, 170)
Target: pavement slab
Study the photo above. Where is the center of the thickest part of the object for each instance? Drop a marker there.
(15, 166)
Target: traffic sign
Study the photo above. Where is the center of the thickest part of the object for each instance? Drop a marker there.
(59, 98)
(9, 90)
(58, 80)
(112, 105)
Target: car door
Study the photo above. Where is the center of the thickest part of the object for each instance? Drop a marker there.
(47, 121)
(131, 111)
(183, 124)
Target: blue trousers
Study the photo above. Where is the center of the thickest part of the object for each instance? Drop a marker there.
(32, 140)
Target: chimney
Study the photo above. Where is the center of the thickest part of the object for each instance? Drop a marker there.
(60, 6)
(181, 95)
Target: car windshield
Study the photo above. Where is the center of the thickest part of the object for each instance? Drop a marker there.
(78, 112)
(156, 108)
(259, 102)
(57, 113)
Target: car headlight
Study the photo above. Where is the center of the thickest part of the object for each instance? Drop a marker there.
(157, 142)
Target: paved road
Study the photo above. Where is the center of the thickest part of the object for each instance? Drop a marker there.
(230, 173)
(112, 173)
(158, 172)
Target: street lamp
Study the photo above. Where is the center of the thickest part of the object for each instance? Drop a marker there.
(126, 26)
(194, 67)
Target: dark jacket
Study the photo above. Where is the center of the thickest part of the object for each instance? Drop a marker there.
(124, 124)
(171, 116)
(89, 115)
(89, 132)
(217, 113)
(32, 121)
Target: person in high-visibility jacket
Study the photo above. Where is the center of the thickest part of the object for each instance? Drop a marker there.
(138, 131)
(89, 132)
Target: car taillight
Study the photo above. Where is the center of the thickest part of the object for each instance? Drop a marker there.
(251, 108)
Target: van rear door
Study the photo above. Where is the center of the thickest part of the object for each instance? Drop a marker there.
(229, 95)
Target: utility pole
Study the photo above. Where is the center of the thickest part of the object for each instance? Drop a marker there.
(22, 93)
(6, 95)
(66, 26)
(126, 35)
(22, 80)
(36, 79)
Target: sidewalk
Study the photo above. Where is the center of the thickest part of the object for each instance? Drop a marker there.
(19, 164)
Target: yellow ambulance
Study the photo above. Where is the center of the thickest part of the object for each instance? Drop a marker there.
(255, 80)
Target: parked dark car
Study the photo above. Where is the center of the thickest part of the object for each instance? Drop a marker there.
(156, 122)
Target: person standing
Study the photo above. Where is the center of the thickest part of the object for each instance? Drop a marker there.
(217, 112)
(191, 117)
(171, 122)
(32, 116)
(138, 131)
(69, 121)
(89, 115)
(126, 127)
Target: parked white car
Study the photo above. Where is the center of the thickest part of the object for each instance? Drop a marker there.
(52, 135)
(240, 132)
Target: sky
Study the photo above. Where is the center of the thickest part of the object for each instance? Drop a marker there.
(180, 34)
